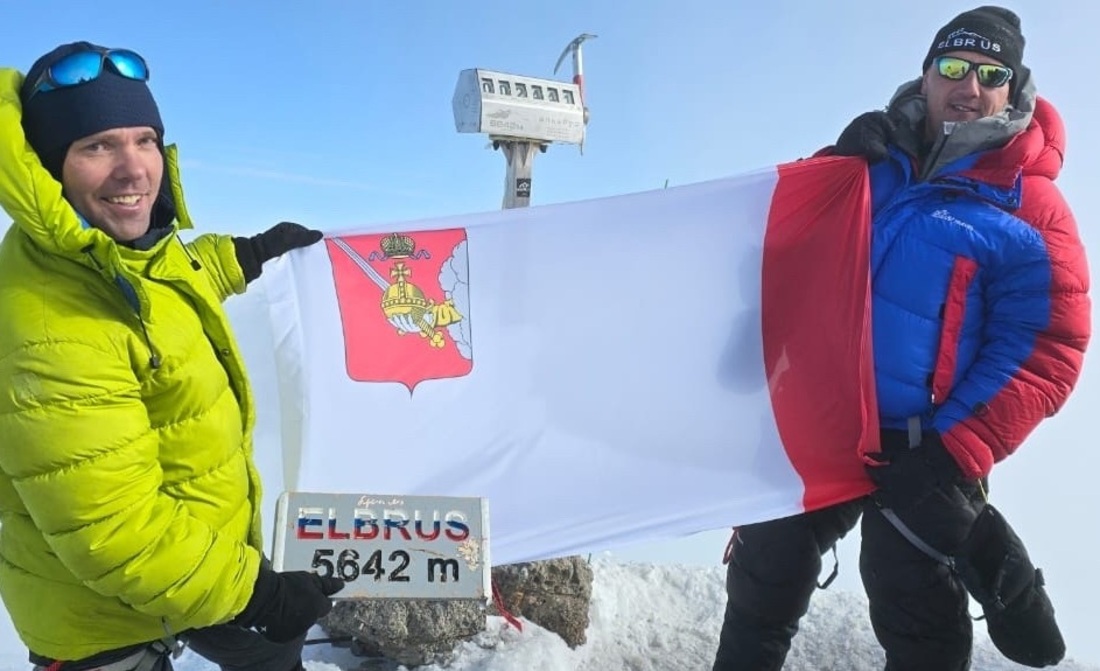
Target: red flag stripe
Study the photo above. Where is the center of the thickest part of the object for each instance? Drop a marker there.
(816, 320)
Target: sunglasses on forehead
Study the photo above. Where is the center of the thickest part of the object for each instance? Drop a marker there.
(989, 75)
(85, 66)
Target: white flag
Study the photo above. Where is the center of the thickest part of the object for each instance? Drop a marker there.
(603, 372)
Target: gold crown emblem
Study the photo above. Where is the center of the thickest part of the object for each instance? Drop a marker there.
(397, 246)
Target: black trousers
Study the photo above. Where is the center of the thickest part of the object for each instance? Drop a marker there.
(918, 607)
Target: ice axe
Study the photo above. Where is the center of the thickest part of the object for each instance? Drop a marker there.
(574, 47)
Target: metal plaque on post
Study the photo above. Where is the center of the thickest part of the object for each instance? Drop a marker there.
(385, 546)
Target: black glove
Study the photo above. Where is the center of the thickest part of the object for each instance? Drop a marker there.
(994, 566)
(275, 241)
(285, 605)
(906, 476)
(867, 136)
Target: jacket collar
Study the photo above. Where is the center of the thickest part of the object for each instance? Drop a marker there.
(909, 107)
(65, 233)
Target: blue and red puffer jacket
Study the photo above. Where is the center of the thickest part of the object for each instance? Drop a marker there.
(979, 293)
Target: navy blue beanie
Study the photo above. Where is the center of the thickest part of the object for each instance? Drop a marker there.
(53, 120)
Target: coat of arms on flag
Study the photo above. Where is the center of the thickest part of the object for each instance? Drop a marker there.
(404, 305)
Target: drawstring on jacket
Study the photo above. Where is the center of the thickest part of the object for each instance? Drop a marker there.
(195, 265)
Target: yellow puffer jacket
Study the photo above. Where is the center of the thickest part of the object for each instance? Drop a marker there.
(129, 503)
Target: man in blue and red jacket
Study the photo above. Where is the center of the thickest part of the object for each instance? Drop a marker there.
(980, 322)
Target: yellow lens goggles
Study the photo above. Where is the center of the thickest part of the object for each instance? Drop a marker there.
(989, 75)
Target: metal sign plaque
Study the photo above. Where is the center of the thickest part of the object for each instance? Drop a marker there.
(387, 547)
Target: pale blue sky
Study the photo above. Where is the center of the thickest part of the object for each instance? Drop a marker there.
(338, 113)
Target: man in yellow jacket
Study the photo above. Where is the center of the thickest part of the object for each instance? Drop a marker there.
(129, 501)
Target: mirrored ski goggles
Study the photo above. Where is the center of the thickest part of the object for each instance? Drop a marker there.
(84, 66)
(989, 75)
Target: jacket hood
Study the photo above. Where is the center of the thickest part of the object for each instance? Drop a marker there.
(34, 199)
(1042, 147)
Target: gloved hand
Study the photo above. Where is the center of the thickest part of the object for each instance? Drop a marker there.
(275, 241)
(285, 605)
(906, 476)
(867, 136)
(995, 567)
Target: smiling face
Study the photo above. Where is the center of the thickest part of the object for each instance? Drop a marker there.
(960, 100)
(112, 179)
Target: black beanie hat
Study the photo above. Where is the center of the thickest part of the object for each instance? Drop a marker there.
(989, 30)
(53, 120)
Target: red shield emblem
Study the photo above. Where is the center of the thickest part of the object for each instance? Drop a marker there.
(404, 305)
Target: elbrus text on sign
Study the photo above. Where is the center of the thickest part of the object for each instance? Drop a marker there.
(385, 546)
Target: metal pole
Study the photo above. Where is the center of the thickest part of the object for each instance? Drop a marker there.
(520, 157)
